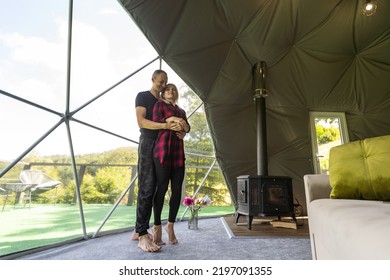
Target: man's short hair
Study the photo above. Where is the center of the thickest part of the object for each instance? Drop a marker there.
(158, 72)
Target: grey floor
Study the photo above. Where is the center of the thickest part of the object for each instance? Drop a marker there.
(212, 241)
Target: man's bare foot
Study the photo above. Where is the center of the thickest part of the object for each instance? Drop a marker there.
(147, 245)
(171, 233)
(157, 235)
(134, 237)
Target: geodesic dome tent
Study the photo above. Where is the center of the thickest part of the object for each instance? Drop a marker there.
(323, 55)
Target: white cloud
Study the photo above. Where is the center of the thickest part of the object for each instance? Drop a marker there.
(105, 49)
(108, 12)
(36, 71)
(36, 50)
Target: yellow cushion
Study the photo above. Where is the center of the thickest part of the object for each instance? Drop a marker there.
(361, 169)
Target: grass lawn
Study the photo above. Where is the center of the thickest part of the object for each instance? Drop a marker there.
(23, 228)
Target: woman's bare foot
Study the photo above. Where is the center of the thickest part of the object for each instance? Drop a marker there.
(147, 245)
(135, 235)
(171, 233)
(157, 235)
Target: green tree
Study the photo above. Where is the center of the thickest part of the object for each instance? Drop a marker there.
(200, 152)
(103, 180)
(327, 134)
(327, 130)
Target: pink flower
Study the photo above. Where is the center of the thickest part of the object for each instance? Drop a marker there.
(189, 201)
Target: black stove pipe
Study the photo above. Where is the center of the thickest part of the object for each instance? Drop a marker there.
(260, 92)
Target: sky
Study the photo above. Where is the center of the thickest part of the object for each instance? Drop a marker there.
(106, 47)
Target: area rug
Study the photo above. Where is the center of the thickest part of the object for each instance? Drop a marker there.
(262, 228)
(209, 242)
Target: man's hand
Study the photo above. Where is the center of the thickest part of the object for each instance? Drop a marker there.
(184, 125)
(173, 126)
(173, 119)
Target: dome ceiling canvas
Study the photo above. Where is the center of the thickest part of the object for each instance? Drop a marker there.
(322, 55)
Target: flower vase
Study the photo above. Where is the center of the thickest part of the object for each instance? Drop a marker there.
(193, 221)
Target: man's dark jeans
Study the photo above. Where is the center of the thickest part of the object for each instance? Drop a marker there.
(146, 184)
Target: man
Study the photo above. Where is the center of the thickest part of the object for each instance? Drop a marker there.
(144, 104)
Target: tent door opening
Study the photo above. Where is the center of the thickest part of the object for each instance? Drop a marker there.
(328, 129)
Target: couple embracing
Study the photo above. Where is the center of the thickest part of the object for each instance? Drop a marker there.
(163, 125)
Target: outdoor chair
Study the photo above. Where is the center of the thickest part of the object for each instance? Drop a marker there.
(22, 190)
(42, 182)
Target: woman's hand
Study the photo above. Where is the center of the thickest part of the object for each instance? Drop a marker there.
(173, 126)
(183, 124)
(180, 134)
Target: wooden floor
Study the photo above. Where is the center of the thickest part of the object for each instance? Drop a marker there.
(262, 227)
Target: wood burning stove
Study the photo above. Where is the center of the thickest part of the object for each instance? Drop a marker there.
(264, 196)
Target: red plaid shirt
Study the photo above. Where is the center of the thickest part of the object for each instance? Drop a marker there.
(169, 149)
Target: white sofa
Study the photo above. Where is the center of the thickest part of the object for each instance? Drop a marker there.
(345, 228)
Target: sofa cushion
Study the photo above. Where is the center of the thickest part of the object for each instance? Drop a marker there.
(361, 169)
(349, 229)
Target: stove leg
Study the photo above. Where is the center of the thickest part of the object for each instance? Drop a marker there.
(249, 220)
(294, 218)
(237, 217)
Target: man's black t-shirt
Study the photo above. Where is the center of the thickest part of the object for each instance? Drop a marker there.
(147, 100)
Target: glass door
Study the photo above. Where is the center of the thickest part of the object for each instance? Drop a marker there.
(328, 129)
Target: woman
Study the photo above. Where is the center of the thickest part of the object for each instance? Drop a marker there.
(169, 161)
